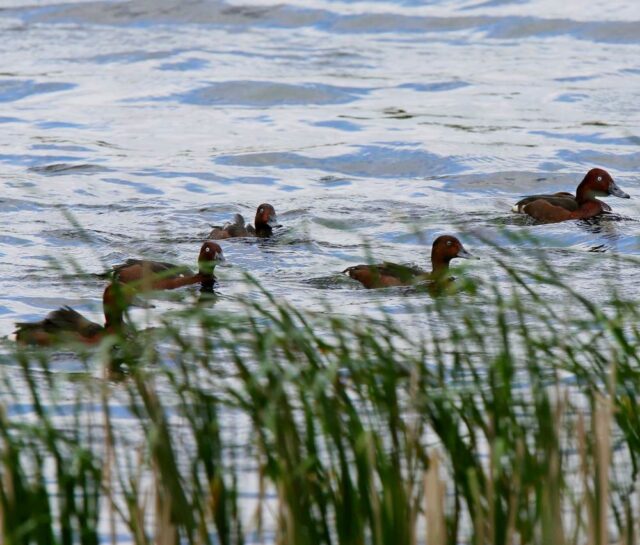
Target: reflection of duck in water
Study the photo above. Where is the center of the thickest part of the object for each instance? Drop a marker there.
(564, 206)
(157, 275)
(265, 221)
(66, 325)
(444, 249)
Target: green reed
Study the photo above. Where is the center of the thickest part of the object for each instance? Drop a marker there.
(505, 419)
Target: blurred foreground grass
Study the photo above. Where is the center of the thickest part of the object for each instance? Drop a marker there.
(507, 422)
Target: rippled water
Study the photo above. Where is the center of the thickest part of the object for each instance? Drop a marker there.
(386, 122)
(365, 123)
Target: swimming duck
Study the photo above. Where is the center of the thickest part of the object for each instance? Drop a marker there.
(158, 275)
(564, 206)
(265, 221)
(66, 325)
(444, 249)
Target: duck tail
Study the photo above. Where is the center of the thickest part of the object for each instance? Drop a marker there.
(350, 270)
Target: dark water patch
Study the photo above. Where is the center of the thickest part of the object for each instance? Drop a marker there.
(14, 241)
(252, 180)
(368, 161)
(333, 181)
(59, 125)
(12, 90)
(148, 12)
(518, 183)
(130, 57)
(477, 129)
(103, 144)
(220, 14)
(330, 282)
(397, 113)
(593, 138)
(137, 186)
(195, 188)
(67, 168)
(130, 205)
(209, 177)
(597, 124)
(493, 4)
(80, 236)
(56, 147)
(333, 246)
(172, 174)
(569, 79)
(15, 205)
(267, 93)
(185, 65)
(289, 188)
(529, 27)
(339, 125)
(436, 87)
(36, 160)
(551, 166)
(398, 23)
(571, 97)
(590, 158)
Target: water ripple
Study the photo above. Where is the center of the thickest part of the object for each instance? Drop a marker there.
(266, 93)
(12, 90)
(366, 161)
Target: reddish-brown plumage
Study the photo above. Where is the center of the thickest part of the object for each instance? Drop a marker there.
(66, 325)
(563, 206)
(156, 275)
(373, 276)
(546, 212)
(444, 249)
(264, 222)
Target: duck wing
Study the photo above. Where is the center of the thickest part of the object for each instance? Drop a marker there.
(542, 210)
(133, 270)
(384, 274)
(235, 228)
(57, 324)
(406, 273)
(562, 199)
(66, 319)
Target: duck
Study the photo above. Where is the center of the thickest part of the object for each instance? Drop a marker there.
(444, 249)
(66, 325)
(564, 206)
(159, 275)
(265, 221)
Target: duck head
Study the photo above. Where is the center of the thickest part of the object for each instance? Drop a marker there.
(444, 249)
(598, 183)
(210, 255)
(266, 215)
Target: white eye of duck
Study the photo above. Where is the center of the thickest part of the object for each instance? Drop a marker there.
(261, 210)
(448, 243)
(207, 249)
(599, 178)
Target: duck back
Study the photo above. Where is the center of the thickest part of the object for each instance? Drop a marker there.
(236, 228)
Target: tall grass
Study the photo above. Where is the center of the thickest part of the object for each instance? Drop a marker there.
(507, 421)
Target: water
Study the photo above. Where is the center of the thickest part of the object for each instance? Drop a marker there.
(377, 122)
(370, 126)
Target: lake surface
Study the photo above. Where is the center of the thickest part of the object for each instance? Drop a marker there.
(364, 123)
(372, 127)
